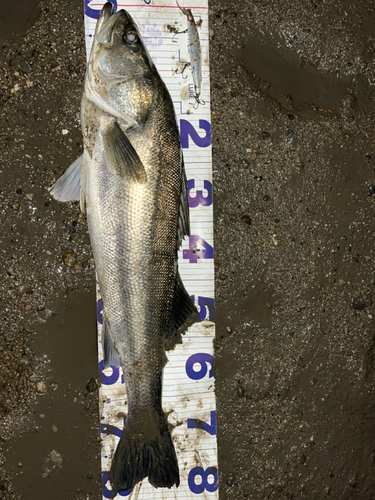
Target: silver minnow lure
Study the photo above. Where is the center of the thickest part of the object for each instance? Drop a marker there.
(132, 183)
(195, 51)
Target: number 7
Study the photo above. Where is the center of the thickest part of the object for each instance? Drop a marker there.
(195, 423)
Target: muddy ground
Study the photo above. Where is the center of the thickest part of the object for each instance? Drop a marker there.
(294, 160)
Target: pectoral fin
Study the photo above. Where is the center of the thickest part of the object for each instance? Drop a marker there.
(120, 155)
(85, 182)
(67, 188)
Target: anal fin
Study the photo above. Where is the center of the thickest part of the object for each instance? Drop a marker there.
(111, 356)
(184, 314)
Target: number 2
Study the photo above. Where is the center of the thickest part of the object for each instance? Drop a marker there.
(187, 129)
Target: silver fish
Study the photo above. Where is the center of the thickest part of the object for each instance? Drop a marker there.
(132, 183)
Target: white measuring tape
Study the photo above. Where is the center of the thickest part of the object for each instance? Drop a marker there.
(188, 383)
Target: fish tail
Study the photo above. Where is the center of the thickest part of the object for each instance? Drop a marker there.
(145, 450)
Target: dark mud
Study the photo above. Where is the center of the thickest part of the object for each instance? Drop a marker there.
(292, 89)
(293, 156)
(49, 429)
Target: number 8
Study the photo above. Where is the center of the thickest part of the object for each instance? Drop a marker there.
(205, 485)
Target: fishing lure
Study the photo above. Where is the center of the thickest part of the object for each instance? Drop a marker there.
(195, 53)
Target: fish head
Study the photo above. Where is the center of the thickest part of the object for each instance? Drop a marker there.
(121, 69)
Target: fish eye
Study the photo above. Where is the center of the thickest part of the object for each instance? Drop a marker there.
(131, 37)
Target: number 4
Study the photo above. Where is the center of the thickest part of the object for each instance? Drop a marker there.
(198, 249)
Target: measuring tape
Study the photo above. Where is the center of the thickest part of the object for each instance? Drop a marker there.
(188, 382)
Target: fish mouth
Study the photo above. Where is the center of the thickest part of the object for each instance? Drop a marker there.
(108, 22)
(106, 12)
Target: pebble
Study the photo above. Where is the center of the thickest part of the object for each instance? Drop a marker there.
(22, 64)
(70, 259)
(230, 481)
(15, 205)
(266, 197)
(92, 385)
(258, 177)
(54, 428)
(302, 458)
(41, 387)
(246, 219)
(360, 303)
(371, 190)
(56, 457)
(229, 330)
(240, 391)
(266, 135)
(48, 313)
(352, 482)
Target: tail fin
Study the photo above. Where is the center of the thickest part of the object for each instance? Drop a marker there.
(145, 450)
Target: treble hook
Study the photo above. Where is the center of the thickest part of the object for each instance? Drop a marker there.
(182, 72)
(198, 102)
(175, 32)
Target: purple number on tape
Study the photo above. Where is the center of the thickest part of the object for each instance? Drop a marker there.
(187, 129)
(202, 359)
(198, 249)
(209, 473)
(206, 308)
(195, 423)
(94, 13)
(108, 379)
(108, 493)
(199, 198)
(99, 308)
(110, 429)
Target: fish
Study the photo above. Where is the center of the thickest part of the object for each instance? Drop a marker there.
(131, 182)
(195, 52)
